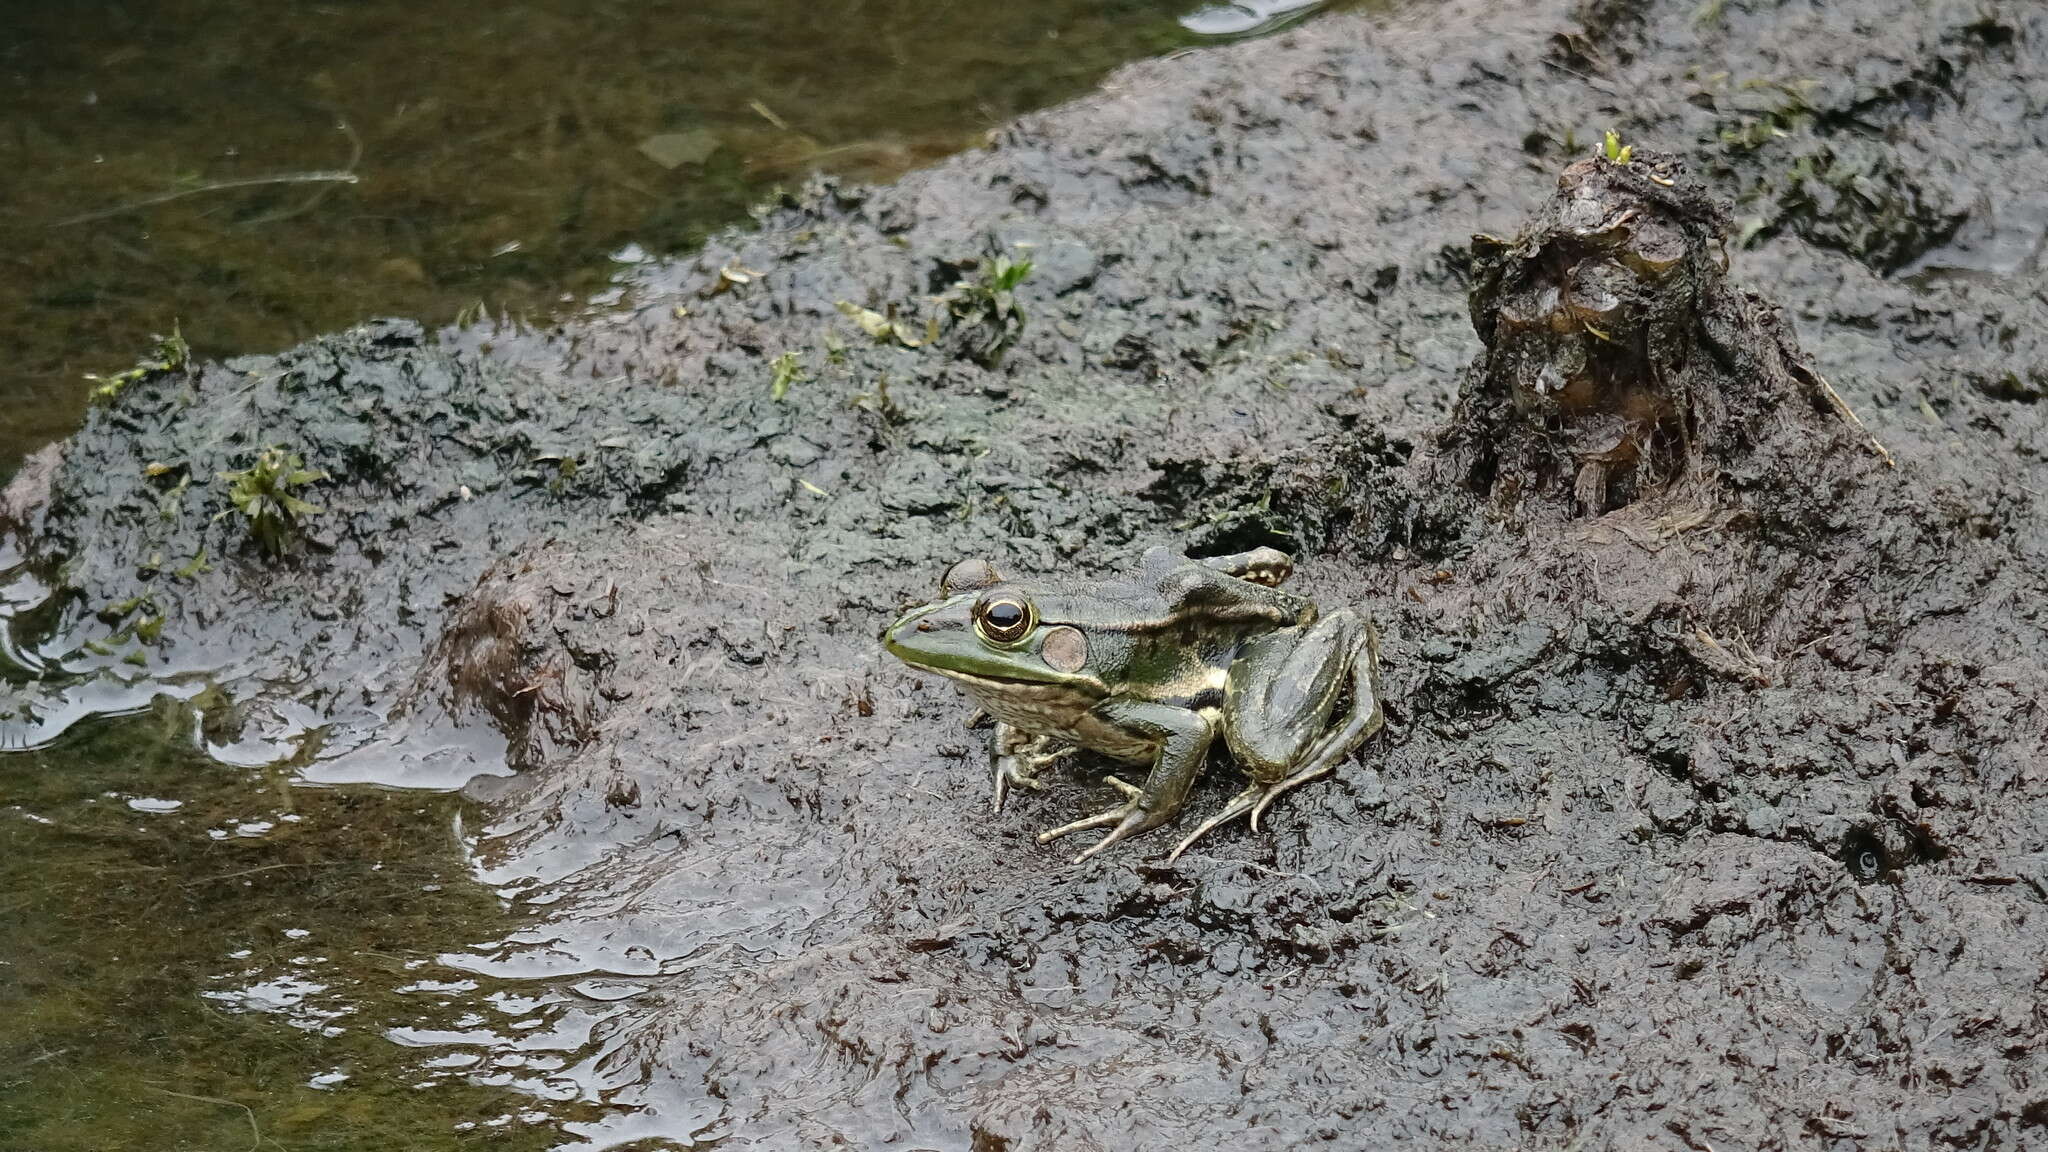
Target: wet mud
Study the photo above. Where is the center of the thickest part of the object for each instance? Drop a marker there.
(1696, 499)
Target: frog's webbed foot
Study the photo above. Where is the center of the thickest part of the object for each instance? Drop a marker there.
(1130, 818)
(1256, 798)
(1182, 738)
(1018, 759)
(1268, 566)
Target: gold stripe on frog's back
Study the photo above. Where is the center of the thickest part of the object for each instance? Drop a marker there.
(1196, 686)
(1181, 665)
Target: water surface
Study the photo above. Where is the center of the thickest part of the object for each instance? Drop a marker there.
(257, 174)
(198, 956)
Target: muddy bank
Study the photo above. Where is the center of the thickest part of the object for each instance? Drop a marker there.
(1709, 810)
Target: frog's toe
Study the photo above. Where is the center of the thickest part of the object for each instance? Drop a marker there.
(1271, 792)
(1018, 759)
(1136, 821)
(1100, 818)
(1131, 791)
(1239, 804)
(1022, 772)
(1255, 800)
(1130, 818)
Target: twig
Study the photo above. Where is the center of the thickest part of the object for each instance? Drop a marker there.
(1843, 410)
(343, 175)
(264, 868)
(768, 114)
(1595, 81)
(355, 154)
(216, 186)
(255, 1133)
(46, 1054)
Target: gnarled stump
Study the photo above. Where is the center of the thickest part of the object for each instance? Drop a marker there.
(1620, 361)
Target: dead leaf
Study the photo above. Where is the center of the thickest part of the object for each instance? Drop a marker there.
(672, 150)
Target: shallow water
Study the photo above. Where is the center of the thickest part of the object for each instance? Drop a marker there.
(199, 956)
(254, 179)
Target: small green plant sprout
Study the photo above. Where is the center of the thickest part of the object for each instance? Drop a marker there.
(194, 568)
(1615, 151)
(171, 493)
(264, 495)
(168, 354)
(985, 310)
(788, 369)
(882, 328)
(881, 403)
(564, 475)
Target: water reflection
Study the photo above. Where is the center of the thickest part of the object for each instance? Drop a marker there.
(195, 949)
(1247, 17)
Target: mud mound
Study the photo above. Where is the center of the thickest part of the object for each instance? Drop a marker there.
(1710, 812)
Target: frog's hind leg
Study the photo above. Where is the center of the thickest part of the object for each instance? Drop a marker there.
(1281, 732)
(1238, 806)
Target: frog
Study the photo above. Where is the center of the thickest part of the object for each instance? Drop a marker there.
(1155, 669)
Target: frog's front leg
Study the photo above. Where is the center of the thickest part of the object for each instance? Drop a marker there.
(1018, 757)
(1243, 586)
(1281, 715)
(1268, 566)
(1182, 737)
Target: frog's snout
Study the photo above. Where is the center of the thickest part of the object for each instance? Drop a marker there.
(902, 634)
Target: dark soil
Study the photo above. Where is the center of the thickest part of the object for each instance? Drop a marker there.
(1712, 810)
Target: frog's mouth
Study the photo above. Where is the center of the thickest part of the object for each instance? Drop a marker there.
(1005, 683)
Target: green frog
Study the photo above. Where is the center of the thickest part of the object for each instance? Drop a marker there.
(1153, 671)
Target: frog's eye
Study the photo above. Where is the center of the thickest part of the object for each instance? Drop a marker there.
(1003, 619)
(969, 576)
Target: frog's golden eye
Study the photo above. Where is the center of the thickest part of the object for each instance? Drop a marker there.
(1003, 619)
